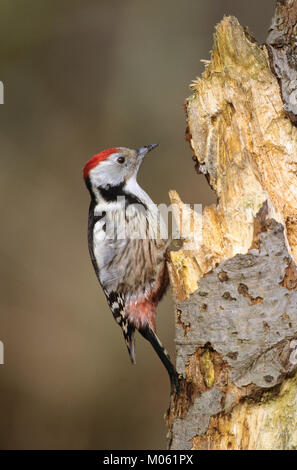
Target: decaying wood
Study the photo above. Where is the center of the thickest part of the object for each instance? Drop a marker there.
(236, 297)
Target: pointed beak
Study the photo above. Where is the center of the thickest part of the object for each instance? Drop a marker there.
(142, 151)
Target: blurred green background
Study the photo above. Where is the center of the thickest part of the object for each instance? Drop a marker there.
(80, 76)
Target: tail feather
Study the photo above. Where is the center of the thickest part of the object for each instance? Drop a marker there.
(117, 305)
(130, 341)
(151, 336)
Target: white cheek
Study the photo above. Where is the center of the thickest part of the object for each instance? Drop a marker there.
(107, 173)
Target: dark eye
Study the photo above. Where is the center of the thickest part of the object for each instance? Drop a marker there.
(121, 159)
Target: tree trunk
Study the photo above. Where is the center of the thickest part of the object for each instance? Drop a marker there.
(236, 289)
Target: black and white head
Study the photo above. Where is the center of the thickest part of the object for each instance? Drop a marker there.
(114, 168)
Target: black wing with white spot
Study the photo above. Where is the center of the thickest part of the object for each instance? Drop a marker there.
(116, 303)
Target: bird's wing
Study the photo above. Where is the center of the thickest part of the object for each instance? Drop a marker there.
(116, 303)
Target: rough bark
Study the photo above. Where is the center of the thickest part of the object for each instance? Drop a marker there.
(282, 47)
(236, 290)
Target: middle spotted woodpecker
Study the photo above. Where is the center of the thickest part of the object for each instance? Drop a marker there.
(126, 245)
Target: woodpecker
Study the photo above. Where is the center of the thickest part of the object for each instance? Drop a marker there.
(126, 246)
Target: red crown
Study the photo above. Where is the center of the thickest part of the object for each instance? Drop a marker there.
(99, 157)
